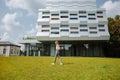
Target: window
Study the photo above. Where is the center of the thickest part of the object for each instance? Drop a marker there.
(73, 27)
(91, 14)
(92, 27)
(45, 26)
(64, 12)
(102, 30)
(64, 25)
(83, 25)
(45, 12)
(74, 32)
(82, 16)
(93, 32)
(45, 30)
(101, 25)
(64, 16)
(99, 16)
(45, 16)
(83, 30)
(54, 18)
(73, 18)
(99, 12)
(54, 27)
(73, 14)
(54, 32)
(82, 12)
(4, 51)
(64, 30)
(92, 18)
(55, 14)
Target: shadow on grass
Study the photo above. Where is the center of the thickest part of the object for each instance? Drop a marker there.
(68, 63)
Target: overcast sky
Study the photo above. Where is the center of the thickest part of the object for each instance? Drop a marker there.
(18, 17)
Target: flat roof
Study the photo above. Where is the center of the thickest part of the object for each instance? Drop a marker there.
(7, 43)
(28, 41)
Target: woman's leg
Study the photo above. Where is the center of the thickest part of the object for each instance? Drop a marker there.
(59, 58)
(56, 54)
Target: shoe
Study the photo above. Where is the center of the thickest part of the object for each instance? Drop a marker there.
(61, 63)
(53, 63)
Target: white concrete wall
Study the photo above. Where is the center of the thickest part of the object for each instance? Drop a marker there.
(10, 50)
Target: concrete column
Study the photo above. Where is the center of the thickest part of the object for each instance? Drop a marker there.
(34, 53)
(7, 51)
(38, 53)
(27, 49)
(52, 49)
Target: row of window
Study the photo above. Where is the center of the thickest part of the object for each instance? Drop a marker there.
(81, 25)
(73, 18)
(80, 12)
(76, 32)
(81, 30)
(57, 28)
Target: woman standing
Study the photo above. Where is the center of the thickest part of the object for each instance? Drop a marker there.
(57, 53)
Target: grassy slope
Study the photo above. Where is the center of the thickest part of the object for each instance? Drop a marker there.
(74, 68)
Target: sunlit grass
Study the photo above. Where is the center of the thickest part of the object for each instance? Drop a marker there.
(74, 68)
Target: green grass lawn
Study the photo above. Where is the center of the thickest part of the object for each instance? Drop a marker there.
(74, 68)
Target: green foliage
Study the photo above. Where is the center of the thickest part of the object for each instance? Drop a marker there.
(74, 68)
(114, 28)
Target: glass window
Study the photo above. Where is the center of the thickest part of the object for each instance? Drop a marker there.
(99, 12)
(45, 26)
(92, 18)
(83, 30)
(93, 32)
(92, 27)
(64, 30)
(82, 16)
(73, 27)
(82, 12)
(74, 32)
(45, 30)
(45, 12)
(64, 12)
(64, 16)
(54, 32)
(54, 27)
(83, 25)
(91, 14)
(45, 16)
(54, 18)
(101, 25)
(73, 18)
(102, 30)
(99, 16)
(4, 51)
(64, 25)
(73, 14)
(55, 14)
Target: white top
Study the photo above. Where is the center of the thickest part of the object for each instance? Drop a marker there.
(57, 47)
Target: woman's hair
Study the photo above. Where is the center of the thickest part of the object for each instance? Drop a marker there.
(56, 42)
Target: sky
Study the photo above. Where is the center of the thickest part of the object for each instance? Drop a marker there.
(18, 17)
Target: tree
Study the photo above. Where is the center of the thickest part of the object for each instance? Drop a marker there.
(114, 28)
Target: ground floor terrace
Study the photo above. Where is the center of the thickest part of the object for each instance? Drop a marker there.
(68, 48)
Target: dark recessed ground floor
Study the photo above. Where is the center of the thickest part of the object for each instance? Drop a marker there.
(68, 48)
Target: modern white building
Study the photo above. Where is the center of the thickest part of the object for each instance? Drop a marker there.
(79, 26)
(9, 49)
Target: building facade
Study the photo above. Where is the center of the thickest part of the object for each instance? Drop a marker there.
(78, 25)
(9, 49)
(32, 47)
